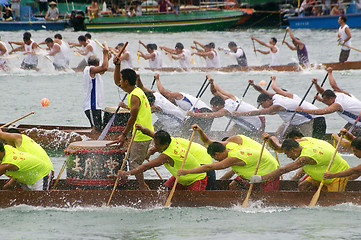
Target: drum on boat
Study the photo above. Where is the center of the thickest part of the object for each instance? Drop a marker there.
(120, 120)
(93, 163)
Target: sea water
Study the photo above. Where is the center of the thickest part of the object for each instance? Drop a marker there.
(22, 92)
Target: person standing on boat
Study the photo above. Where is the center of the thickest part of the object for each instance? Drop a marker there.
(93, 87)
(242, 157)
(23, 143)
(140, 112)
(170, 117)
(299, 46)
(86, 50)
(223, 104)
(274, 51)
(186, 102)
(4, 53)
(30, 47)
(26, 169)
(53, 12)
(345, 104)
(314, 160)
(344, 38)
(209, 54)
(125, 59)
(319, 122)
(154, 57)
(353, 172)
(172, 152)
(237, 53)
(285, 107)
(179, 53)
(60, 60)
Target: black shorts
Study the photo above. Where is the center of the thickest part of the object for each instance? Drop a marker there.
(43, 7)
(28, 66)
(344, 54)
(95, 118)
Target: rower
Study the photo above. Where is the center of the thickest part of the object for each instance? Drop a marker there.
(209, 54)
(186, 102)
(140, 112)
(353, 172)
(285, 108)
(93, 88)
(319, 122)
(23, 143)
(237, 53)
(299, 46)
(314, 160)
(172, 153)
(346, 105)
(154, 57)
(87, 51)
(344, 38)
(224, 103)
(170, 117)
(4, 53)
(179, 53)
(274, 51)
(125, 59)
(60, 60)
(30, 47)
(58, 38)
(241, 158)
(26, 169)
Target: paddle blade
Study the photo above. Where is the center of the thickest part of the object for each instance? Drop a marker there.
(245, 202)
(316, 196)
(106, 129)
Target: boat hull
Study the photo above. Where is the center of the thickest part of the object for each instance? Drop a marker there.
(216, 20)
(33, 25)
(326, 22)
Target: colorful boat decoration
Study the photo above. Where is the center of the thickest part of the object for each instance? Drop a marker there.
(211, 20)
(326, 22)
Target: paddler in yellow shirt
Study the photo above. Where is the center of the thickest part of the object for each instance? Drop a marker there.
(23, 143)
(140, 112)
(172, 155)
(314, 160)
(27, 170)
(241, 154)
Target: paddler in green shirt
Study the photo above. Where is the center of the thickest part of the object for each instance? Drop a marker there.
(172, 155)
(241, 154)
(24, 168)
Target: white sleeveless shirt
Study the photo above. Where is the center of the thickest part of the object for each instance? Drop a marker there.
(157, 62)
(188, 101)
(86, 57)
(65, 48)
(351, 107)
(342, 34)
(185, 61)
(127, 63)
(60, 59)
(214, 62)
(3, 60)
(169, 110)
(290, 106)
(93, 88)
(30, 59)
(250, 123)
(275, 57)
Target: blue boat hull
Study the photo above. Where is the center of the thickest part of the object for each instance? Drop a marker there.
(327, 22)
(33, 25)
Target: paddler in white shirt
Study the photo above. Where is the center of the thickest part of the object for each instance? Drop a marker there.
(274, 51)
(180, 54)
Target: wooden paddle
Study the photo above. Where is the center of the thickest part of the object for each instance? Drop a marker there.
(351, 47)
(177, 178)
(155, 170)
(323, 82)
(268, 86)
(239, 104)
(153, 83)
(254, 48)
(121, 50)
(9, 123)
(59, 175)
(284, 38)
(245, 202)
(317, 194)
(200, 93)
(122, 167)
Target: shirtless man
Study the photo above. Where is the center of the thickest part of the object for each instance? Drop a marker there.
(274, 51)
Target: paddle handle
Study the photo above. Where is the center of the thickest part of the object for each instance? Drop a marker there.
(156, 172)
(317, 194)
(254, 48)
(18, 119)
(354, 124)
(59, 175)
(323, 82)
(122, 167)
(352, 47)
(284, 38)
(200, 90)
(199, 97)
(177, 178)
(245, 202)
(122, 50)
(153, 83)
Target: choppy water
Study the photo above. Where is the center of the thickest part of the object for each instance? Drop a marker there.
(22, 92)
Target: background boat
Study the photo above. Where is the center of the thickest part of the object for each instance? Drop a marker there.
(327, 21)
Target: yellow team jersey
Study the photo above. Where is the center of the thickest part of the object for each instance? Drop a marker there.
(197, 150)
(31, 168)
(144, 116)
(28, 145)
(177, 152)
